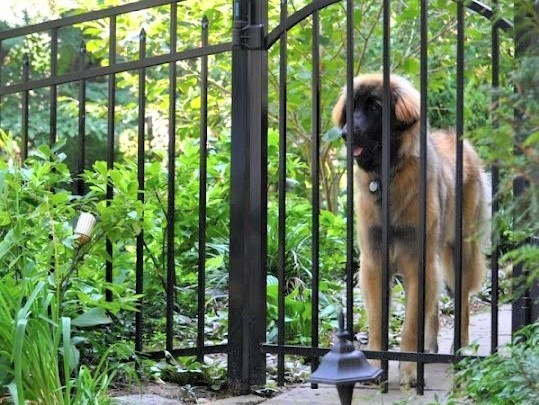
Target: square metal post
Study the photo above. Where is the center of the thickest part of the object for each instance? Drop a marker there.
(525, 308)
(248, 214)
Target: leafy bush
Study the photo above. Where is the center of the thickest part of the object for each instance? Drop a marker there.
(43, 307)
(510, 377)
(187, 370)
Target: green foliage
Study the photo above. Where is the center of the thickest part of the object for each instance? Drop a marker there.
(506, 378)
(299, 244)
(512, 146)
(298, 313)
(125, 217)
(524, 163)
(40, 321)
(186, 370)
(39, 358)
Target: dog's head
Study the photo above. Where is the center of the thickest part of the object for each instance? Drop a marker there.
(366, 124)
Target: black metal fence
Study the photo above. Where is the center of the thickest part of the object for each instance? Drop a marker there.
(251, 41)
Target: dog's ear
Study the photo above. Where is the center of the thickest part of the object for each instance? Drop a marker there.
(339, 111)
(407, 101)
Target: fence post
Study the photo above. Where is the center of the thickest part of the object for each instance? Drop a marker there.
(248, 217)
(525, 309)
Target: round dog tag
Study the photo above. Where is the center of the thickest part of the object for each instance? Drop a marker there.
(373, 186)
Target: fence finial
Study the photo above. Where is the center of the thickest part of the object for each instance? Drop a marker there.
(340, 318)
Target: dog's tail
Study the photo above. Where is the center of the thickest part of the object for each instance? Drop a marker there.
(479, 240)
(484, 213)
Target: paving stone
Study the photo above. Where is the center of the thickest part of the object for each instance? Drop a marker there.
(145, 399)
(242, 400)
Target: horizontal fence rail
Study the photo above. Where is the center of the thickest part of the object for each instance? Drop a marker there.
(94, 73)
(85, 17)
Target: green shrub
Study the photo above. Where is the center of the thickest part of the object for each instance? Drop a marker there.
(44, 309)
(510, 377)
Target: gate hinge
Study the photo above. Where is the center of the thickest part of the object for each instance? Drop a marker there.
(249, 36)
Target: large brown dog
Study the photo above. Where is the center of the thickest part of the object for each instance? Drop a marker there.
(366, 132)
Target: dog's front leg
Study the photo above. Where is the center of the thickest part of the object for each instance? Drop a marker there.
(408, 370)
(370, 280)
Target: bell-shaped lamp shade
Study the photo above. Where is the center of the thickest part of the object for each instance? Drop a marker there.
(344, 366)
(84, 228)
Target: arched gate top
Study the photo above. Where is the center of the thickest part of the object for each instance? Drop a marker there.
(475, 6)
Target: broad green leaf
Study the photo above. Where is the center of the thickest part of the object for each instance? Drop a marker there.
(92, 317)
(411, 66)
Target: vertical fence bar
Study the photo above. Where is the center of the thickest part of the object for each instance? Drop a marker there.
(248, 211)
(139, 280)
(421, 254)
(495, 51)
(459, 174)
(171, 268)
(386, 159)
(110, 146)
(349, 169)
(283, 61)
(25, 106)
(202, 193)
(315, 145)
(81, 163)
(54, 88)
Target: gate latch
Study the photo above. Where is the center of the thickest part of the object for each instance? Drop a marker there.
(249, 36)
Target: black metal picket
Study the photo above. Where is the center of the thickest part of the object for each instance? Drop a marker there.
(247, 347)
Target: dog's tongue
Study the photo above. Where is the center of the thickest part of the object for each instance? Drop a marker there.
(357, 151)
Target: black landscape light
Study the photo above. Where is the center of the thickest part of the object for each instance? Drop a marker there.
(344, 366)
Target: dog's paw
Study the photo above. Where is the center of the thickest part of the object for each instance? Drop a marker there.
(432, 347)
(408, 375)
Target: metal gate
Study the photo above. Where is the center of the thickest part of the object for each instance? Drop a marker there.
(251, 41)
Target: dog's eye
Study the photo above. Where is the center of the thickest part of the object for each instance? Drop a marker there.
(373, 106)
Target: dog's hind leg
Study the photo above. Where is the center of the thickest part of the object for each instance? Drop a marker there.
(473, 265)
(449, 279)
(473, 269)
